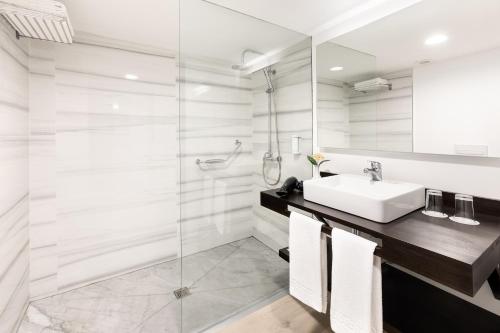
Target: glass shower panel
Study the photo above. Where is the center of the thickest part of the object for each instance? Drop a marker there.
(103, 171)
(244, 92)
(115, 166)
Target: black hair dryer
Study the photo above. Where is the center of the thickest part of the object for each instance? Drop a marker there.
(289, 186)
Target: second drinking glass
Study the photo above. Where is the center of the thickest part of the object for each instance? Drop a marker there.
(464, 210)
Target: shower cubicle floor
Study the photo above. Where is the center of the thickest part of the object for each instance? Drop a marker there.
(223, 281)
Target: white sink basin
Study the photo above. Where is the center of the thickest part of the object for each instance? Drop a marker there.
(382, 201)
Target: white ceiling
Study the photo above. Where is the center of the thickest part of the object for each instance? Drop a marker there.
(206, 29)
(398, 40)
(153, 23)
(212, 31)
(300, 15)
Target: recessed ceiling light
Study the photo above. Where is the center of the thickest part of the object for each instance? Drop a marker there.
(436, 39)
(131, 77)
(116, 106)
(336, 68)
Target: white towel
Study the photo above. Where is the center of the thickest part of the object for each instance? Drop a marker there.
(308, 279)
(356, 296)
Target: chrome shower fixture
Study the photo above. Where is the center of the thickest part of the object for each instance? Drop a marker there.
(269, 155)
(242, 63)
(267, 73)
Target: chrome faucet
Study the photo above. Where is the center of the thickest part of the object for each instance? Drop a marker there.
(375, 171)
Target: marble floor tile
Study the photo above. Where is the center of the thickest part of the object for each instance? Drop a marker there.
(223, 281)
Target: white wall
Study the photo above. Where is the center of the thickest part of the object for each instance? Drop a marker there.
(42, 162)
(14, 237)
(476, 176)
(456, 103)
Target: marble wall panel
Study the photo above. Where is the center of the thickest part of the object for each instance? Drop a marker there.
(14, 196)
(116, 162)
(42, 170)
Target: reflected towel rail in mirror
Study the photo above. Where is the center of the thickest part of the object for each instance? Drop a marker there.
(218, 161)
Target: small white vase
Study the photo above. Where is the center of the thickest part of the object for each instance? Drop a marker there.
(316, 173)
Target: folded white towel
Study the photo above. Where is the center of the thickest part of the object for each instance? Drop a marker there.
(308, 279)
(356, 296)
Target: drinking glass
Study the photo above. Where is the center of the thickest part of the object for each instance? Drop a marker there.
(434, 204)
(464, 209)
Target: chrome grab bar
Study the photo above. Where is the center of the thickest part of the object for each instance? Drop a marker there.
(216, 161)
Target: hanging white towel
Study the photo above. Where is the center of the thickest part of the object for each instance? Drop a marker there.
(356, 296)
(308, 279)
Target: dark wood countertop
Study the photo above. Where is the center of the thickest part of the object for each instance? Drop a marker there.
(459, 256)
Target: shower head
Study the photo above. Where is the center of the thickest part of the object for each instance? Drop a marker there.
(39, 19)
(267, 73)
(242, 64)
(267, 70)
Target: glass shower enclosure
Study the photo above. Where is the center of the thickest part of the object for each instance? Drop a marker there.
(244, 92)
(146, 164)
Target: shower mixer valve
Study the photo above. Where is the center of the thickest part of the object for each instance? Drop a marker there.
(269, 157)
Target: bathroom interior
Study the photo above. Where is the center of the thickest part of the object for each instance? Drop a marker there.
(249, 166)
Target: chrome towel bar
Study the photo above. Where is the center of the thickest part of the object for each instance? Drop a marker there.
(326, 229)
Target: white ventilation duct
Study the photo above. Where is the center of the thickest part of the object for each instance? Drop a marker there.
(39, 19)
(374, 84)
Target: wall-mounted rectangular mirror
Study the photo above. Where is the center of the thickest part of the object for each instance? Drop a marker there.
(422, 80)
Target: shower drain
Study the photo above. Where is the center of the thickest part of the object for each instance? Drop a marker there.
(182, 292)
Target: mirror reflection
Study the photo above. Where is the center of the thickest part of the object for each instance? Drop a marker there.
(423, 80)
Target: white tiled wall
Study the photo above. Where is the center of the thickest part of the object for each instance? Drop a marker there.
(14, 237)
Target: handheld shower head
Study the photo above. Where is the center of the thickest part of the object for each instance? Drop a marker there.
(267, 73)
